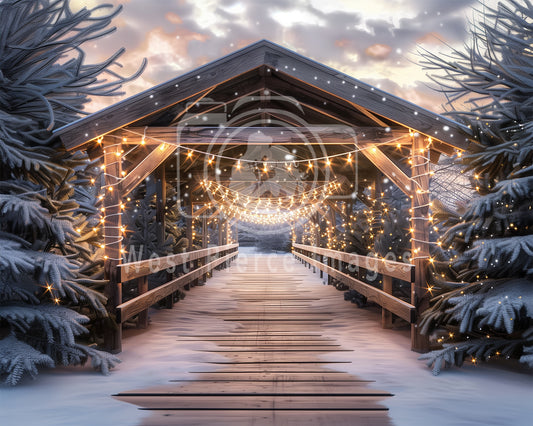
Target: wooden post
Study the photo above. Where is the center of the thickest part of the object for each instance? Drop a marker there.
(222, 235)
(112, 239)
(420, 236)
(204, 244)
(142, 287)
(194, 263)
(188, 207)
(227, 240)
(386, 316)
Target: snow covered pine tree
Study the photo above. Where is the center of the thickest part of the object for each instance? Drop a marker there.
(46, 204)
(486, 307)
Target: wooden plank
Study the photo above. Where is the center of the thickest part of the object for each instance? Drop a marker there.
(270, 386)
(258, 402)
(387, 166)
(276, 377)
(279, 349)
(400, 270)
(278, 358)
(228, 389)
(134, 306)
(267, 418)
(246, 346)
(397, 306)
(278, 367)
(129, 271)
(145, 167)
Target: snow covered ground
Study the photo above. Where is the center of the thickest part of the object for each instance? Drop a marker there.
(473, 395)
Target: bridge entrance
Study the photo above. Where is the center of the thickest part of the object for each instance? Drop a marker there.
(267, 137)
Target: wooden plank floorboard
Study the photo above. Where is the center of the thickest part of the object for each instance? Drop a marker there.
(266, 418)
(261, 377)
(265, 364)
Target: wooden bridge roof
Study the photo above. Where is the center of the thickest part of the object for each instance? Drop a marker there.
(322, 91)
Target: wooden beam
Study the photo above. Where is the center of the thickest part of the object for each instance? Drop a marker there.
(403, 309)
(205, 236)
(400, 270)
(112, 240)
(134, 306)
(420, 294)
(294, 135)
(386, 166)
(373, 117)
(145, 167)
(201, 210)
(192, 103)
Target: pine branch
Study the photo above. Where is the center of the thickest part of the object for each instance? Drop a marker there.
(18, 358)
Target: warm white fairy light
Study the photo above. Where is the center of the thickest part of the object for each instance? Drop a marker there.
(229, 196)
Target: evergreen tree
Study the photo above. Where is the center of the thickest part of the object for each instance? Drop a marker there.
(49, 266)
(486, 306)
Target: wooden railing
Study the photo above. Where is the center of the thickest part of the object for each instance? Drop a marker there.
(334, 262)
(193, 271)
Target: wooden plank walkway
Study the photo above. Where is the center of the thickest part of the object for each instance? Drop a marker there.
(268, 368)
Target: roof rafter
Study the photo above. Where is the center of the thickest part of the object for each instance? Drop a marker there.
(279, 62)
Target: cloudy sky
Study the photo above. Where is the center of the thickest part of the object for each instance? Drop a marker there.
(375, 41)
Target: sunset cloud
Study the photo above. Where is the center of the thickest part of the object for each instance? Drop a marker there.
(373, 41)
(378, 51)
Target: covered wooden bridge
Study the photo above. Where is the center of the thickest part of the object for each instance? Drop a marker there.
(264, 136)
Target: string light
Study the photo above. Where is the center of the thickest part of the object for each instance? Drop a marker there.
(268, 210)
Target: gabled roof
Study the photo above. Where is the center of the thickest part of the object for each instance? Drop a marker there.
(280, 61)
